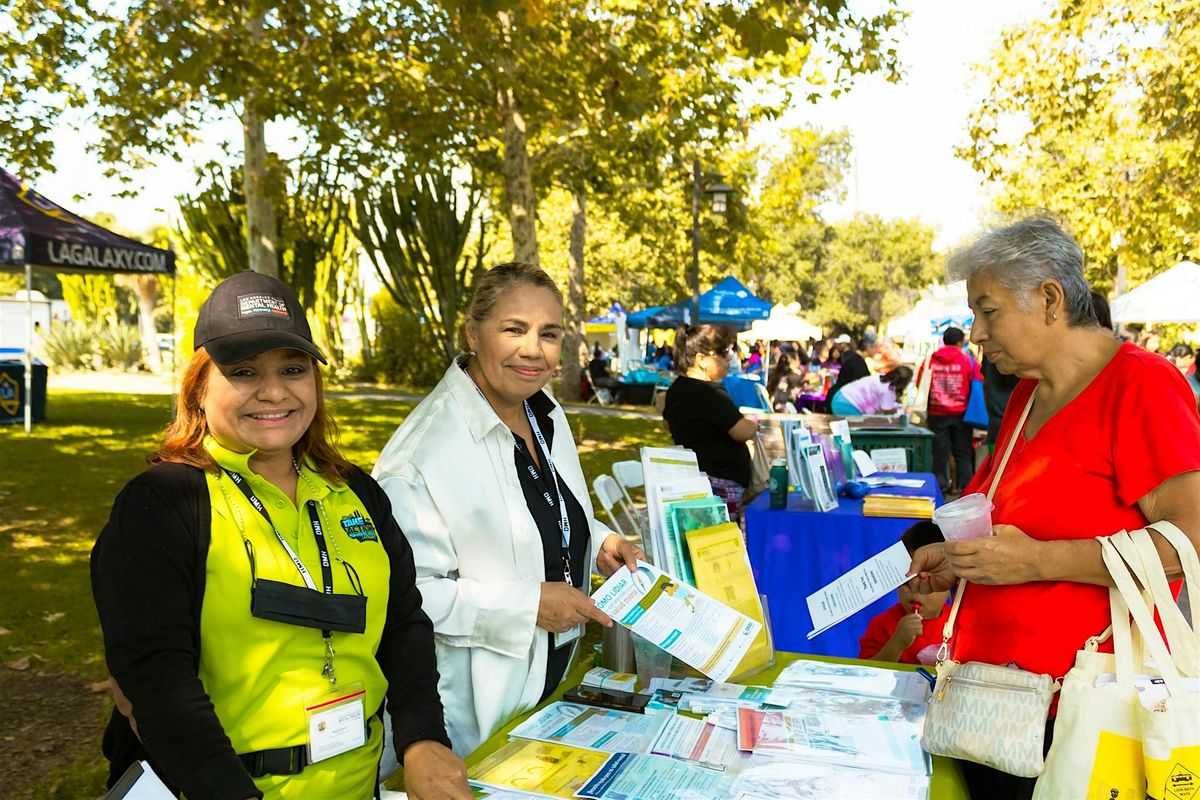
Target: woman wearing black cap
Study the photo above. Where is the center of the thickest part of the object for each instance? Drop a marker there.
(257, 599)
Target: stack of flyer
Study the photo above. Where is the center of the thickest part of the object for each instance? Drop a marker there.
(808, 467)
(840, 729)
(898, 505)
(854, 679)
(672, 475)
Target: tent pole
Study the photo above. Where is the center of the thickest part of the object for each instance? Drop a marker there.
(174, 345)
(29, 347)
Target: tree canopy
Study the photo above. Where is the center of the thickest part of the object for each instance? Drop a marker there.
(1092, 114)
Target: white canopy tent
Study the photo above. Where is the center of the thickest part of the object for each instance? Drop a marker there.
(784, 325)
(1172, 297)
(938, 307)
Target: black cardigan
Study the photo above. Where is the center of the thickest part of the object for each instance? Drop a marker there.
(148, 570)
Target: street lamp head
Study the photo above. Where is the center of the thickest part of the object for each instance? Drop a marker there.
(720, 193)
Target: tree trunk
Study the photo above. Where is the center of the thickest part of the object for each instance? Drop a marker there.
(518, 180)
(146, 287)
(260, 214)
(518, 174)
(574, 335)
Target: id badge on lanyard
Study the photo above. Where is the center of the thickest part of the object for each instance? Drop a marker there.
(336, 721)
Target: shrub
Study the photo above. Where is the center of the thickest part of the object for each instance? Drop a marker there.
(404, 352)
(120, 346)
(71, 345)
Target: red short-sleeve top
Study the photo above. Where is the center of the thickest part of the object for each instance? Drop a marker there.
(1081, 476)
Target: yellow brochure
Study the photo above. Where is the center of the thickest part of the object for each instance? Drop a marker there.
(722, 570)
(539, 767)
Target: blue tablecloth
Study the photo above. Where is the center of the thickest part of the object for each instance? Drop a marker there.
(647, 376)
(795, 551)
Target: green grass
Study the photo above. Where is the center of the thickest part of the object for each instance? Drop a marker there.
(57, 485)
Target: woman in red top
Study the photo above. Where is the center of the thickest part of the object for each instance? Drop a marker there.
(1112, 442)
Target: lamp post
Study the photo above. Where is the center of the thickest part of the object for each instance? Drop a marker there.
(719, 192)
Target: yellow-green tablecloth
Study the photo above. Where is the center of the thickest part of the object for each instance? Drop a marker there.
(945, 784)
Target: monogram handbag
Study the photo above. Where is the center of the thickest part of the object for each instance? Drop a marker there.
(986, 713)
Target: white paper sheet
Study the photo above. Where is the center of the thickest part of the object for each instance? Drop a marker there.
(795, 780)
(854, 679)
(858, 588)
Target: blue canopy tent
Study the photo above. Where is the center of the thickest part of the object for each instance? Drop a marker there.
(727, 303)
(638, 319)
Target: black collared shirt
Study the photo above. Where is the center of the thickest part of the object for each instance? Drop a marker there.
(542, 501)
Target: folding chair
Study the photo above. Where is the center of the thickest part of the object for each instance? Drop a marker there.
(764, 398)
(597, 394)
(609, 494)
(628, 475)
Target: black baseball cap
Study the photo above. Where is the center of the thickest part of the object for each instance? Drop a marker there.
(251, 313)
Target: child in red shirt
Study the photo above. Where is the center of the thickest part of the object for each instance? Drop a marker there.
(915, 623)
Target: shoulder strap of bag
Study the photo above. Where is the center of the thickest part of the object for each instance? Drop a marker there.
(1128, 600)
(1019, 430)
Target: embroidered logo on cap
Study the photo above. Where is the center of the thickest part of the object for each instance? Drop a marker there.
(262, 305)
(359, 528)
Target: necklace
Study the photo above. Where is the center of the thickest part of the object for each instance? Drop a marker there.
(312, 488)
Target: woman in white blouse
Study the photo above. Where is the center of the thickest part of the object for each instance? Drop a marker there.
(486, 484)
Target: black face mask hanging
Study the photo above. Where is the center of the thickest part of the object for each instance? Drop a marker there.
(298, 605)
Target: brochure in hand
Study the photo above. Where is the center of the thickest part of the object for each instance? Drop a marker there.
(693, 627)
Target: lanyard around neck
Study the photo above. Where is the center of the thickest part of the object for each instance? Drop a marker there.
(564, 521)
(318, 534)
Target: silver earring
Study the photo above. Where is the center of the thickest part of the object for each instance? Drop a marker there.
(1054, 317)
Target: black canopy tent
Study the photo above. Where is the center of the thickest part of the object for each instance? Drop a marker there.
(35, 232)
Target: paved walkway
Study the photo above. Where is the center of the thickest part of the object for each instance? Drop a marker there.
(147, 383)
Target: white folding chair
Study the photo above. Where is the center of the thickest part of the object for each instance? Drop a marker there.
(629, 476)
(609, 494)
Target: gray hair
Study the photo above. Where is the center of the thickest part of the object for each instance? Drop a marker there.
(1022, 255)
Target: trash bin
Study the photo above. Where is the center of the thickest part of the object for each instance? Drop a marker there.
(12, 391)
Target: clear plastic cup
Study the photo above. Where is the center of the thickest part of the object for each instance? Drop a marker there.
(968, 517)
(652, 661)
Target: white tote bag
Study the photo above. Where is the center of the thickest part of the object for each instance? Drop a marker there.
(1107, 743)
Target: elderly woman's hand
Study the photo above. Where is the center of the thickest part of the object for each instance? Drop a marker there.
(616, 552)
(930, 570)
(1006, 557)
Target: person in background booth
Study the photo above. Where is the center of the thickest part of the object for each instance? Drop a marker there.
(485, 480)
(253, 575)
(949, 389)
(852, 366)
(785, 383)
(874, 394)
(1112, 442)
(701, 415)
(1184, 358)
